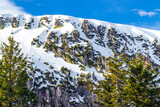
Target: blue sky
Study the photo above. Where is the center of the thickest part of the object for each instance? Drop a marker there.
(142, 13)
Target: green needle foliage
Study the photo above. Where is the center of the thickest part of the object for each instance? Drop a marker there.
(142, 89)
(129, 83)
(110, 91)
(14, 77)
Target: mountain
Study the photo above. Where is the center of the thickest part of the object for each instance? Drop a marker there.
(66, 51)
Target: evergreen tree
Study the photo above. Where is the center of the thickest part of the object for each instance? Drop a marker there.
(129, 83)
(106, 92)
(14, 77)
(110, 91)
(142, 89)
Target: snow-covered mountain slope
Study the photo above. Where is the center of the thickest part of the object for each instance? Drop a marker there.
(64, 46)
(25, 28)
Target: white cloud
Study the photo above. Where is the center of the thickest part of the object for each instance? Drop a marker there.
(157, 10)
(144, 13)
(26, 0)
(9, 7)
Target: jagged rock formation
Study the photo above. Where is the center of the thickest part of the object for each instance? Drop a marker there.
(69, 54)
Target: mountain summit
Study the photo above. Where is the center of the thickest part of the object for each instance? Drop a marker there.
(65, 49)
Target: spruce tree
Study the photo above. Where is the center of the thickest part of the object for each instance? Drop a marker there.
(129, 83)
(110, 91)
(142, 89)
(14, 77)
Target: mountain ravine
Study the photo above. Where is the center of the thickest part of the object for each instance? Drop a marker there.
(66, 51)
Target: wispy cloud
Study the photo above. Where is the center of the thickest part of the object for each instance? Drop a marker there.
(9, 7)
(157, 10)
(145, 13)
(26, 0)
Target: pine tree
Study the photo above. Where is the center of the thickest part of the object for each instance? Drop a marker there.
(14, 77)
(142, 89)
(106, 92)
(129, 83)
(110, 91)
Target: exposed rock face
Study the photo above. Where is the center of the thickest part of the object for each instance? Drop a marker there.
(15, 23)
(75, 35)
(156, 49)
(1, 23)
(91, 31)
(113, 42)
(29, 24)
(89, 97)
(56, 97)
(117, 41)
(101, 31)
(64, 38)
(88, 29)
(58, 23)
(51, 36)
